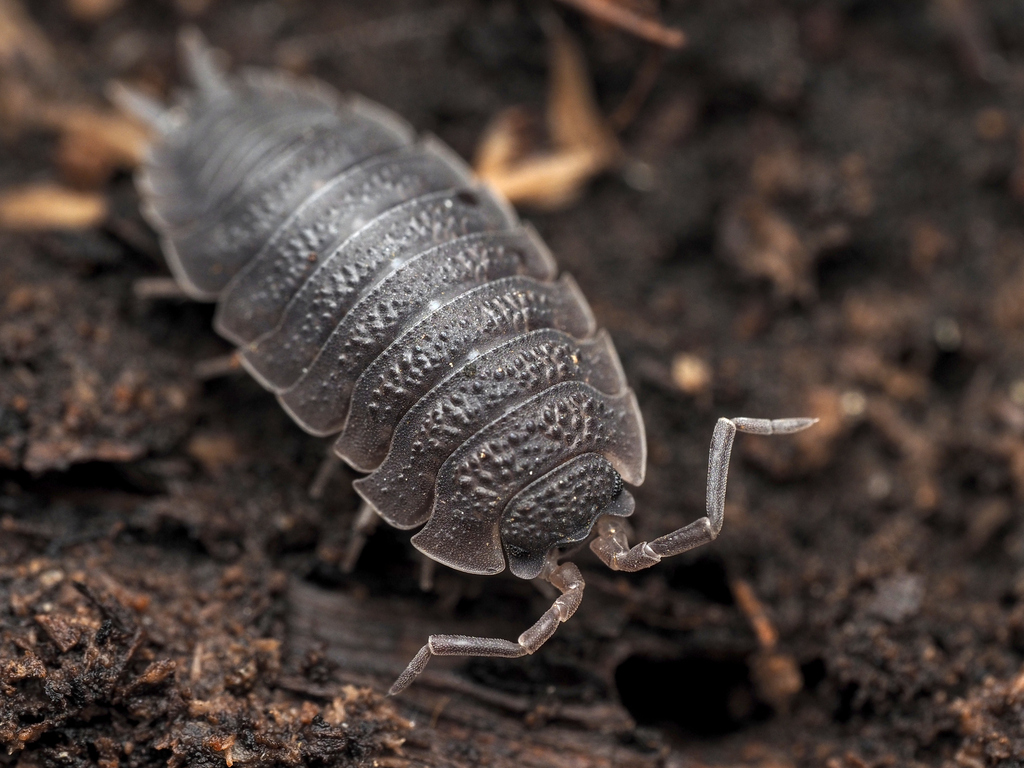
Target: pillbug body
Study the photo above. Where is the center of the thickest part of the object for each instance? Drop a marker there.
(389, 300)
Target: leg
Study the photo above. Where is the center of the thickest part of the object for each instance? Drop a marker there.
(365, 524)
(158, 289)
(328, 469)
(612, 544)
(201, 65)
(427, 569)
(142, 107)
(218, 367)
(566, 578)
(167, 288)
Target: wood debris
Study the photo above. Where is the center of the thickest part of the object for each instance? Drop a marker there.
(93, 143)
(214, 450)
(93, 10)
(23, 46)
(971, 36)
(776, 675)
(49, 206)
(192, 8)
(583, 145)
(641, 87)
(618, 13)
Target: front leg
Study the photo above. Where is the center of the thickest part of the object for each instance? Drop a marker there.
(568, 580)
(612, 544)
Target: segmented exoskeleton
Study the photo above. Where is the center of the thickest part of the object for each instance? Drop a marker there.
(387, 298)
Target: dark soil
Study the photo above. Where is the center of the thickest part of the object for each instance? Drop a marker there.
(822, 202)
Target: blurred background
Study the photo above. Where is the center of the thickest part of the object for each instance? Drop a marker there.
(777, 208)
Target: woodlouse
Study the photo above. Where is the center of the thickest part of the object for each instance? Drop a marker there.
(387, 298)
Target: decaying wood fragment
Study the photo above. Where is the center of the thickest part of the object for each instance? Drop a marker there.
(22, 44)
(583, 145)
(49, 206)
(616, 13)
(775, 674)
(94, 143)
(93, 10)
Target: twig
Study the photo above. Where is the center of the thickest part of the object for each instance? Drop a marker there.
(649, 29)
(641, 87)
(756, 614)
